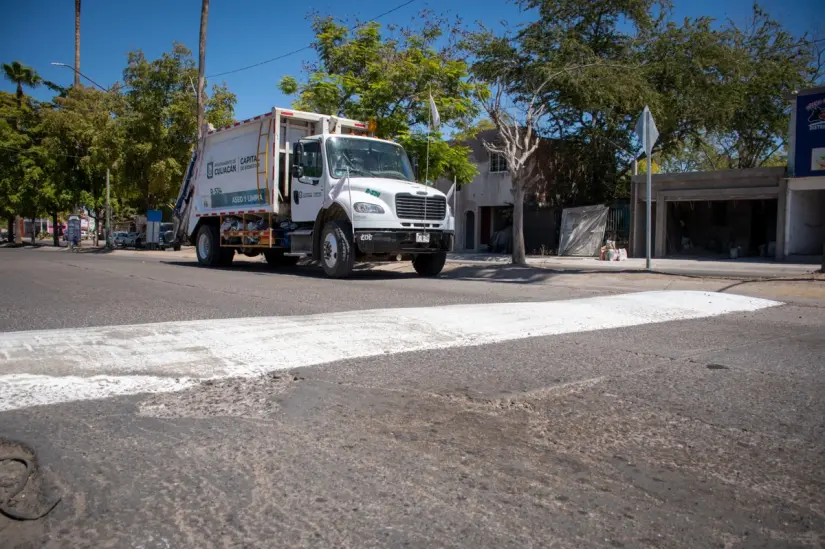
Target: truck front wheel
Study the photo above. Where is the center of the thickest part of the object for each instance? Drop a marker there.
(336, 249)
(429, 264)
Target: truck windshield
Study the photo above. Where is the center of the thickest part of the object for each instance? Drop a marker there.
(367, 158)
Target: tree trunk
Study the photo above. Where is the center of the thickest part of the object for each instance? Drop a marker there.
(202, 63)
(34, 231)
(519, 257)
(77, 43)
(97, 226)
(55, 231)
(10, 221)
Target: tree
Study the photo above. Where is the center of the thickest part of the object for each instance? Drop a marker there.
(159, 125)
(220, 108)
(83, 138)
(22, 76)
(388, 77)
(202, 64)
(77, 43)
(518, 140)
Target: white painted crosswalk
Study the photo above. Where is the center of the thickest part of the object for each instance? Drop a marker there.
(52, 366)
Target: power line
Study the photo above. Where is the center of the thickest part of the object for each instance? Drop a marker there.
(309, 47)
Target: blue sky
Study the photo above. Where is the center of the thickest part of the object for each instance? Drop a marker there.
(243, 32)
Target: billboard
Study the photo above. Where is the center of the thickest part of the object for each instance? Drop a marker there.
(809, 153)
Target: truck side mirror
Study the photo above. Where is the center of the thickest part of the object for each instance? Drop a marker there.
(415, 166)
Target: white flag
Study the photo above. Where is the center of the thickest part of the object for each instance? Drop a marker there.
(434, 113)
(336, 190)
(450, 193)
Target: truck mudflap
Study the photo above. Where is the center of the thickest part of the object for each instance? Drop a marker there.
(390, 242)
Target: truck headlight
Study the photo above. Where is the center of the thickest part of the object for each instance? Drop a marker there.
(367, 208)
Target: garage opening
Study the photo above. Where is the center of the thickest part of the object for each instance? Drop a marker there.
(722, 228)
(806, 227)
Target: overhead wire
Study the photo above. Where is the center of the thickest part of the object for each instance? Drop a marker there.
(309, 46)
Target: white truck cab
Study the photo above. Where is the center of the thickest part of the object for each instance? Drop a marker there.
(290, 184)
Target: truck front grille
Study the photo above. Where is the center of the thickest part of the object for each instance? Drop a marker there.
(408, 206)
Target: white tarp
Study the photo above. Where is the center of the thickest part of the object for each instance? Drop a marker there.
(582, 230)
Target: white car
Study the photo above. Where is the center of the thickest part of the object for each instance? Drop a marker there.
(119, 238)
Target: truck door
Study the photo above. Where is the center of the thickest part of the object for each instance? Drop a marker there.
(307, 180)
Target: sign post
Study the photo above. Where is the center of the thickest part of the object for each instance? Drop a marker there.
(648, 134)
(153, 219)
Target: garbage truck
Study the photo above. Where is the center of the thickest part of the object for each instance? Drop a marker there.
(291, 185)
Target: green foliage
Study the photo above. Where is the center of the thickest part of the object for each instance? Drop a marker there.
(388, 77)
(55, 155)
(220, 108)
(22, 76)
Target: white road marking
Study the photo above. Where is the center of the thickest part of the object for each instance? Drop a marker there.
(51, 366)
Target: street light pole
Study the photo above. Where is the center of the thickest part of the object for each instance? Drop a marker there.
(81, 74)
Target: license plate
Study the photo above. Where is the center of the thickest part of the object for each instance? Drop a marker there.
(422, 238)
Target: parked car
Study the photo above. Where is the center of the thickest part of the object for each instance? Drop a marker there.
(131, 240)
(119, 237)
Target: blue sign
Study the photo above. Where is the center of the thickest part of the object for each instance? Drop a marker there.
(154, 215)
(809, 155)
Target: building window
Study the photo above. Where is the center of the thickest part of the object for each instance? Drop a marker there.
(498, 164)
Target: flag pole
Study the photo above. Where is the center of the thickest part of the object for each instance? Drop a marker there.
(427, 164)
(351, 205)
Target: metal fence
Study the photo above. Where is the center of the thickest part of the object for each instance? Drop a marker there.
(618, 224)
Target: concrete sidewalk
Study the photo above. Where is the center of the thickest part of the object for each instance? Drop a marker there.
(733, 268)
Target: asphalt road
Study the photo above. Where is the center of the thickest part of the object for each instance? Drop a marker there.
(693, 433)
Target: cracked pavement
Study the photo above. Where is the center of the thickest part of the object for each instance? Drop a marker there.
(697, 433)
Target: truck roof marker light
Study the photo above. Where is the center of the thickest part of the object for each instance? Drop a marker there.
(287, 113)
(268, 114)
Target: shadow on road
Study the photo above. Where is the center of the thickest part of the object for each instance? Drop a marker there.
(502, 274)
(307, 270)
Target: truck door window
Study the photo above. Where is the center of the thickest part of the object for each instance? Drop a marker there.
(311, 159)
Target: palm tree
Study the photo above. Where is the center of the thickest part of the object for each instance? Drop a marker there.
(201, 62)
(21, 75)
(76, 43)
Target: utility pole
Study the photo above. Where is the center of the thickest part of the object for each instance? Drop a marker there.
(202, 63)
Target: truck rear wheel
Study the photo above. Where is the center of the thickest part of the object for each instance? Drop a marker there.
(276, 258)
(336, 249)
(429, 264)
(208, 250)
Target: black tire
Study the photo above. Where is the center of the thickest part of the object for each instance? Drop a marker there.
(337, 256)
(429, 264)
(207, 247)
(276, 258)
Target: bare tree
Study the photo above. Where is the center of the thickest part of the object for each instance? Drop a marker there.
(517, 141)
(202, 64)
(76, 43)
